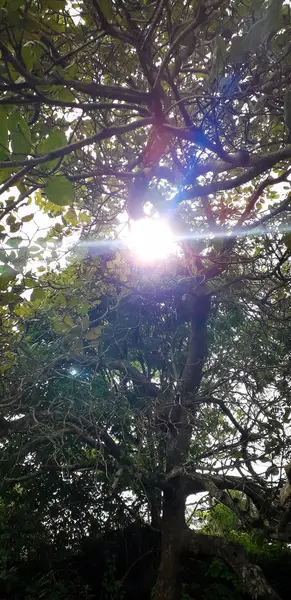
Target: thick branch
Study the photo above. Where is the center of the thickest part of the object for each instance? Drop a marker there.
(84, 106)
(128, 369)
(236, 556)
(65, 150)
(216, 186)
(192, 373)
(94, 90)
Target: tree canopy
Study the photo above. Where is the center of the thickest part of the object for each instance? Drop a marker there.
(128, 388)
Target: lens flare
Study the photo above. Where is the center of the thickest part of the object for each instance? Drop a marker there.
(151, 240)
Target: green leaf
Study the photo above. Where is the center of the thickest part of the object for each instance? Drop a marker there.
(4, 258)
(13, 5)
(14, 227)
(219, 54)
(106, 8)
(287, 109)
(237, 49)
(60, 190)
(56, 4)
(71, 217)
(25, 310)
(14, 242)
(5, 173)
(37, 294)
(21, 138)
(273, 16)
(68, 320)
(33, 249)
(65, 95)
(28, 56)
(10, 297)
(85, 323)
(84, 218)
(13, 120)
(287, 240)
(255, 36)
(4, 151)
(58, 228)
(69, 72)
(7, 274)
(21, 187)
(93, 334)
(56, 139)
(27, 218)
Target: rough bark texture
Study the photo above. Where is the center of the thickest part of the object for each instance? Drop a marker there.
(168, 586)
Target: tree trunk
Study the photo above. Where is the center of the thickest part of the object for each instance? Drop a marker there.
(180, 421)
(169, 584)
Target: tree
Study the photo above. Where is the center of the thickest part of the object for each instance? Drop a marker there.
(168, 381)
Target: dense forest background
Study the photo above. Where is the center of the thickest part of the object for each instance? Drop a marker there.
(145, 402)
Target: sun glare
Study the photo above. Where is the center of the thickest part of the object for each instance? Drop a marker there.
(151, 239)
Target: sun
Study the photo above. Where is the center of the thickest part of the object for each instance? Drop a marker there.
(151, 239)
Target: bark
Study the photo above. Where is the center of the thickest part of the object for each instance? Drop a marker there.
(169, 584)
(236, 556)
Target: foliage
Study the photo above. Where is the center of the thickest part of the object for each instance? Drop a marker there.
(127, 388)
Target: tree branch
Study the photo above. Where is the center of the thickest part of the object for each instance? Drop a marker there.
(236, 556)
(128, 369)
(200, 18)
(64, 151)
(84, 106)
(216, 186)
(197, 349)
(95, 90)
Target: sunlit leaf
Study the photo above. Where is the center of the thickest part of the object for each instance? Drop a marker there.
(68, 320)
(56, 139)
(71, 217)
(60, 190)
(93, 333)
(65, 94)
(84, 218)
(37, 294)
